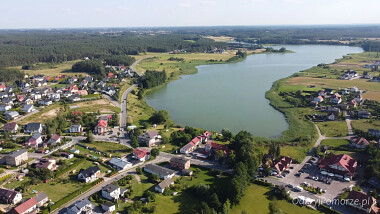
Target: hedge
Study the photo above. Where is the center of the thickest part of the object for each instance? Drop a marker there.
(67, 169)
(327, 209)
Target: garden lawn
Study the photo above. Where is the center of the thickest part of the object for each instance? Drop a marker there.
(333, 128)
(55, 191)
(256, 201)
(109, 147)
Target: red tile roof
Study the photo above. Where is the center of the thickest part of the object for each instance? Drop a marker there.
(360, 141)
(26, 205)
(217, 147)
(345, 161)
(365, 200)
(102, 123)
(140, 153)
(283, 163)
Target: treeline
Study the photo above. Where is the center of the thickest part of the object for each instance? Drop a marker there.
(94, 67)
(245, 159)
(270, 49)
(371, 46)
(373, 165)
(238, 56)
(152, 79)
(119, 60)
(32, 46)
(11, 75)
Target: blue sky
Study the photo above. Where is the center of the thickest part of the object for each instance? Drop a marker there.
(147, 13)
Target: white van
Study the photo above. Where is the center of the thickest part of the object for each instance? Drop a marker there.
(298, 188)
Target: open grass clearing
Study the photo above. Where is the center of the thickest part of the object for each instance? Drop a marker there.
(43, 115)
(221, 38)
(335, 142)
(365, 124)
(256, 200)
(53, 69)
(333, 128)
(102, 105)
(110, 147)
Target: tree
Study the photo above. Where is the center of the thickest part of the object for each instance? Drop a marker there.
(227, 135)
(154, 152)
(219, 155)
(135, 142)
(153, 178)
(151, 196)
(139, 170)
(226, 207)
(278, 151)
(159, 117)
(90, 137)
(214, 202)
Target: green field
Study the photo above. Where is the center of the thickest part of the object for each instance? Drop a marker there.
(256, 201)
(333, 128)
(53, 69)
(109, 147)
(138, 110)
(365, 124)
(335, 142)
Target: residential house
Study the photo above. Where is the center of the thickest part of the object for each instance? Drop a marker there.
(108, 207)
(205, 137)
(364, 114)
(45, 102)
(46, 163)
(31, 128)
(111, 192)
(329, 91)
(213, 147)
(318, 99)
(141, 155)
(80, 207)
(119, 164)
(101, 127)
(7, 101)
(16, 158)
(75, 128)
(54, 139)
(11, 127)
(4, 107)
(28, 108)
(336, 98)
(358, 99)
(191, 146)
(163, 185)
(354, 89)
(28, 207)
(72, 80)
(281, 164)
(11, 115)
(353, 103)
(82, 92)
(35, 141)
(179, 163)
(362, 202)
(41, 199)
(20, 97)
(75, 98)
(2, 87)
(340, 165)
(359, 142)
(374, 132)
(162, 172)
(89, 175)
(150, 138)
(9, 196)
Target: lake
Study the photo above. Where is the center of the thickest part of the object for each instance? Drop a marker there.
(232, 96)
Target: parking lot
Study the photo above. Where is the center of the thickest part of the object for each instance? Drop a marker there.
(310, 174)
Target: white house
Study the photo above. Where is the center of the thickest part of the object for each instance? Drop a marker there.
(5, 107)
(164, 184)
(75, 128)
(90, 174)
(28, 108)
(111, 192)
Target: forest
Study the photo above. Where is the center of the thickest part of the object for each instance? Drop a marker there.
(27, 47)
(94, 67)
(11, 75)
(20, 47)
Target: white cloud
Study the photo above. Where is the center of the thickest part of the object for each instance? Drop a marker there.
(185, 4)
